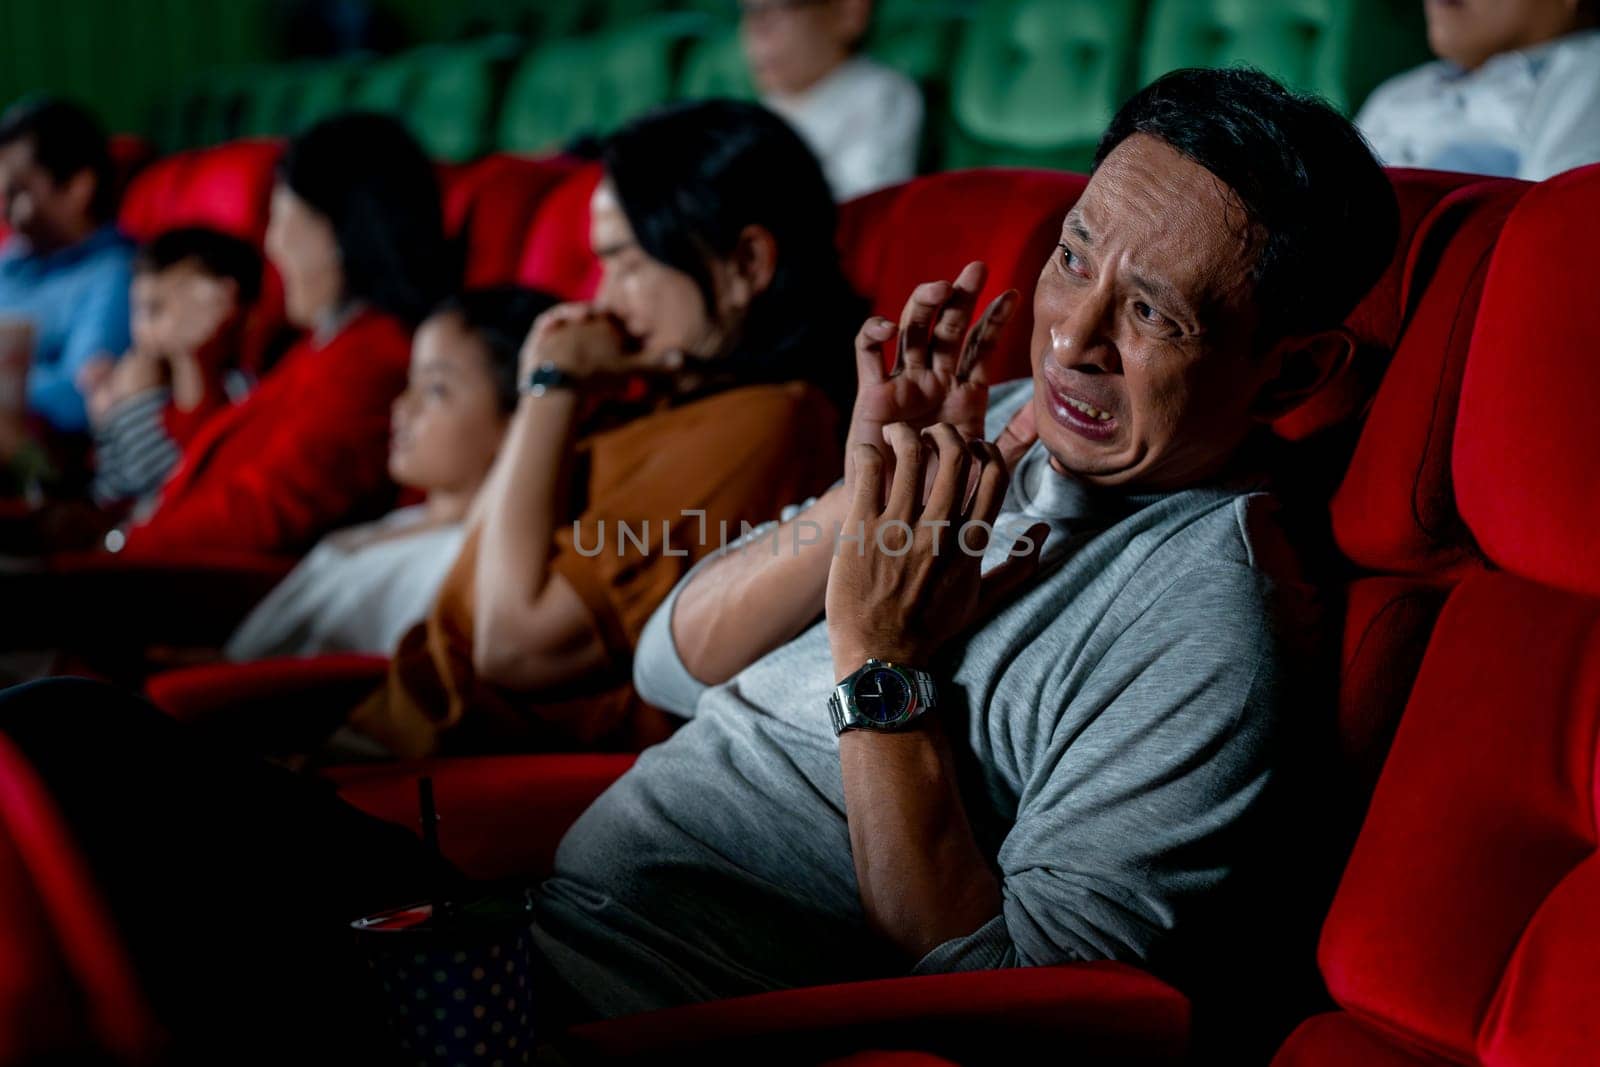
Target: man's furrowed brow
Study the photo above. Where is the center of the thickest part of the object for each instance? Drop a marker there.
(1073, 224)
(1161, 292)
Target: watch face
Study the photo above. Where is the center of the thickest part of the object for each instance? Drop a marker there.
(882, 696)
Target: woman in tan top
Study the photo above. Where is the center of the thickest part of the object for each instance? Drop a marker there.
(701, 388)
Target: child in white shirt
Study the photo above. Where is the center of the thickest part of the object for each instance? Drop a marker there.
(1515, 91)
(861, 118)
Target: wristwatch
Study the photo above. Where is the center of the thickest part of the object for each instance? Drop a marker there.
(545, 377)
(881, 696)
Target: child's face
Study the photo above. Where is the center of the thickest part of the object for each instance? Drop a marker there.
(1469, 32)
(793, 44)
(180, 310)
(447, 425)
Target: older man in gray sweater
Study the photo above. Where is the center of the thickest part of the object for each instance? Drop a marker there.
(944, 718)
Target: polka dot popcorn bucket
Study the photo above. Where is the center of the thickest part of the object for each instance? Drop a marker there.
(460, 990)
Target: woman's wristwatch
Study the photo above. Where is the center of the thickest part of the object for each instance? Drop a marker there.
(881, 696)
(545, 377)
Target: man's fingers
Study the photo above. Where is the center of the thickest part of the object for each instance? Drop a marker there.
(950, 482)
(868, 464)
(905, 492)
(982, 337)
(869, 349)
(916, 324)
(993, 479)
(956, 313)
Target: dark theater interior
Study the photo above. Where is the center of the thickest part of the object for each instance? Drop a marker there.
(844, 533)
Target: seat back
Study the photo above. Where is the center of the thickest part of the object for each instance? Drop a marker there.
(1036, 81)
(1394, 514)
(454, 97)
(490, 207)
(587, 86)
(1339, 49)
(556, 255)
(930, 227)
(714, 66)
(227, 187)
(1464, 930)
(67, 989)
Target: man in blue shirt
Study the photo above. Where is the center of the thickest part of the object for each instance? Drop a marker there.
(64, 269)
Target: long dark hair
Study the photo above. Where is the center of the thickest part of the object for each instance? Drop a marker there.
(371, 180)
(690, 178)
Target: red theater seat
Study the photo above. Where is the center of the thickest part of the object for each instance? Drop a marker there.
(67, 990)
(931, 227)
(1465, 929)
(1394, 513)
(490, 205)
(555, 254)
(226, 188)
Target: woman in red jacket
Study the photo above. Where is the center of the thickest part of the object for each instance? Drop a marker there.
(355, 233)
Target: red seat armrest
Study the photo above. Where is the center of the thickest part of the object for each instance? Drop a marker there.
(1095, 1012)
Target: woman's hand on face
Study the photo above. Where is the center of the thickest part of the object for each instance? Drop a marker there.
(591, 346)
(938, 374)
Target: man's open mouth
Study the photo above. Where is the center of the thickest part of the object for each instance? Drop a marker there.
(1080, 416)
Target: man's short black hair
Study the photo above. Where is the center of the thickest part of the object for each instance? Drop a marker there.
(66, 141)
(1325, 207)
(216, 253)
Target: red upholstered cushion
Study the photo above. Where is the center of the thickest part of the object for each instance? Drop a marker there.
(1386, 627)
(1544, 1014)
(227, 187)
(1011, 219)
(66, 985)
(1376, 321)
(269, 687)
(1527, 457)
(556, 256)
(1341, 1040)
(1481, 826)
(490, 205)
(863, 229)
(1395, 509)
(499, 816)
(1103, 1012)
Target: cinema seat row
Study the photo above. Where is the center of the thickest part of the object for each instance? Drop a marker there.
(1468, 706)
(1024, 82)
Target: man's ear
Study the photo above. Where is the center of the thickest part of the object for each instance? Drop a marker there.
(1305, 365)
(754, 262)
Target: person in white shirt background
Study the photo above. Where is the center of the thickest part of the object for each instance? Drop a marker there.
(1515, 91)
(861, 118)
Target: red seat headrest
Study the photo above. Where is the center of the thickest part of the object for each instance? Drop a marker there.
(1527, 447)
(227, 188)
(1395, 508)
(556, 257)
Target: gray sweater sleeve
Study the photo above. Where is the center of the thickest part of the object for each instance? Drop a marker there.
(1140, 815)
(659, 673)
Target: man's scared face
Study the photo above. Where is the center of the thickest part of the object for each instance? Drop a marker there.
(1144, 361)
